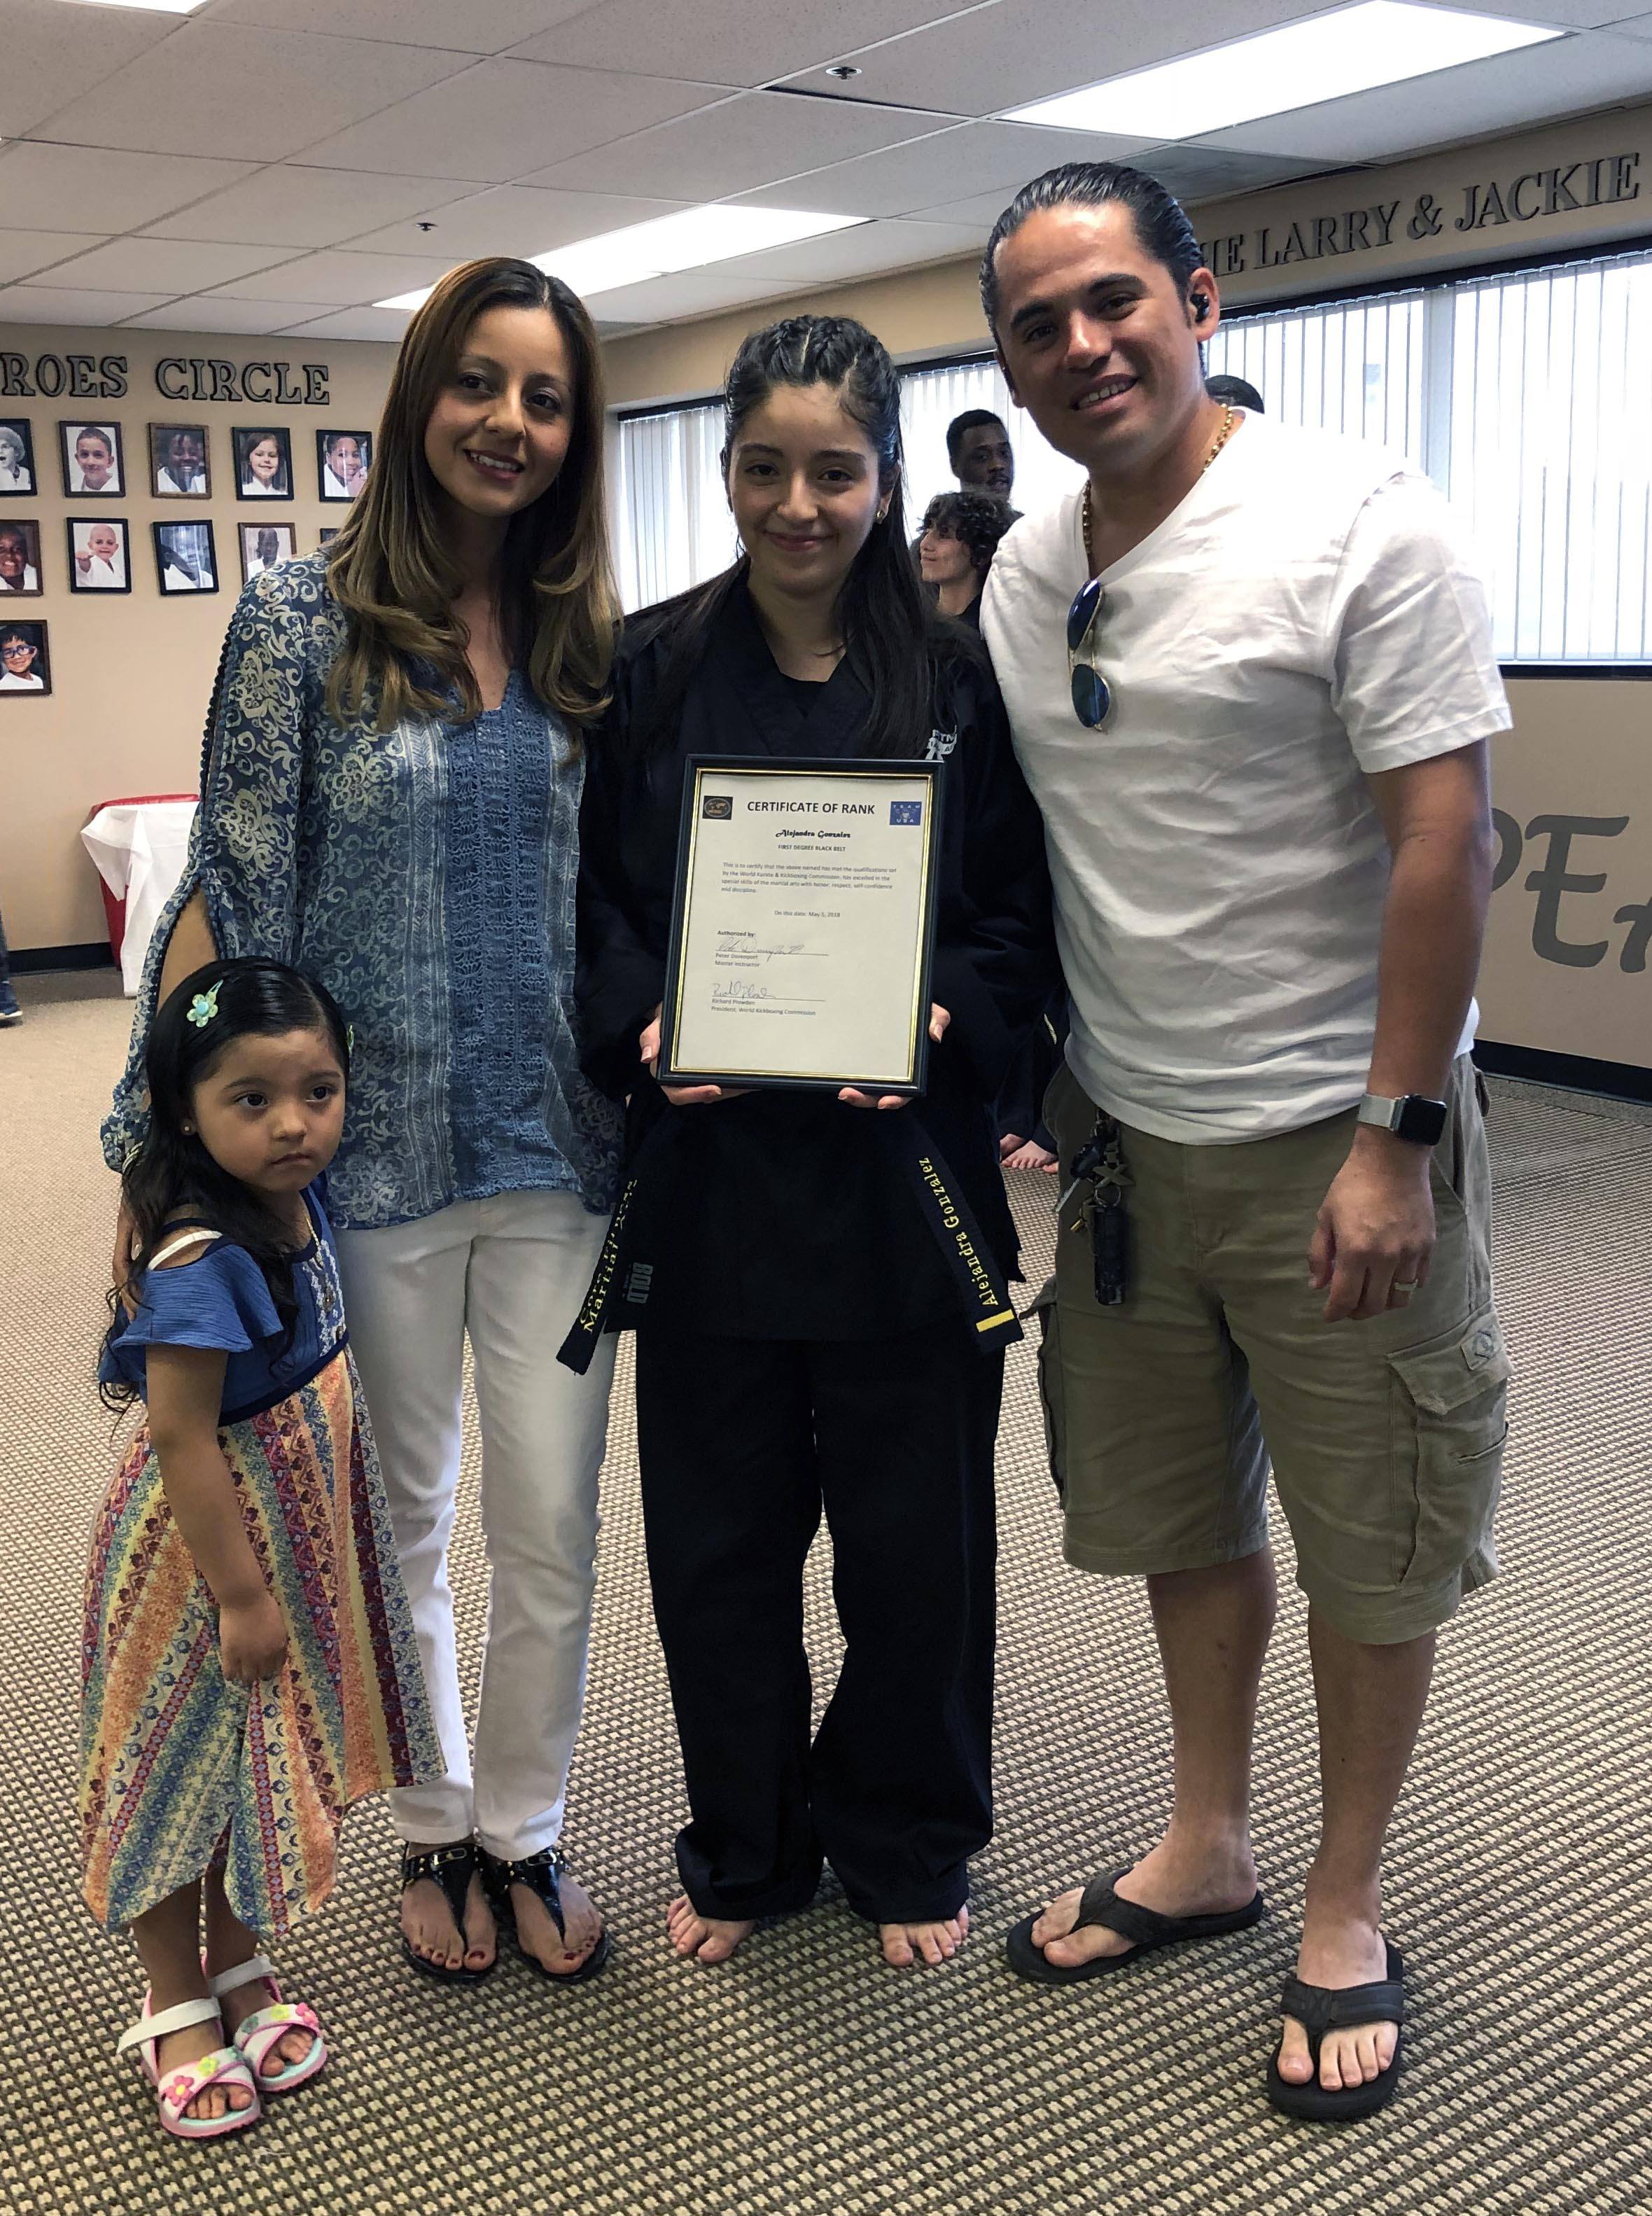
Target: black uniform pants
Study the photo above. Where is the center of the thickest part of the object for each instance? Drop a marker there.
(741, 1442)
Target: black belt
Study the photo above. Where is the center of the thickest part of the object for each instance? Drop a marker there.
(619, 1273)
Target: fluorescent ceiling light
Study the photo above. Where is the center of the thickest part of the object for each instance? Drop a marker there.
(688, 240)
(152, 7)
(1298, 65)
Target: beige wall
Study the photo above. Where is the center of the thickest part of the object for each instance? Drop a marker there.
(1581, 748)
(131, 672)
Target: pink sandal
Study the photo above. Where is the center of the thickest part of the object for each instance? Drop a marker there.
(224, 2065)
(256, 2033)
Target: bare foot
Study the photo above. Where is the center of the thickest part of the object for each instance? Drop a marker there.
(1197, 1879)
(193, 2044)
(1341, 1945)
(1029, 1156)
(242, 2001)
(934, 1943)
(558, 1954)
(703, 1938)
(429, 1927)
(1008, 1144)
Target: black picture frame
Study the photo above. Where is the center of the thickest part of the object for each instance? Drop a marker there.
(244, 438)
(20, 431)
(24, 533)
(71, 429)
(746, 765)
(325, 441)
(79, 530)
(326, 536)
(249, 534)
(40, 667)
(164, 461)
(175, 554)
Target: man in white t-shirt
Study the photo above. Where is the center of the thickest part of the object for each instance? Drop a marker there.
(1250, 682)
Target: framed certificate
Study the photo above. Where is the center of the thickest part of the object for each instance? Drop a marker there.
(802, 924)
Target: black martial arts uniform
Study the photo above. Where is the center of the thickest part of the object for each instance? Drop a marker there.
(801, 1340)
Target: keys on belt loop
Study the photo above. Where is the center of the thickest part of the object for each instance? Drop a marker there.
(1100, 1164)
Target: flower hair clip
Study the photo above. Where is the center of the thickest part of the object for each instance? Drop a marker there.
(202, 1009)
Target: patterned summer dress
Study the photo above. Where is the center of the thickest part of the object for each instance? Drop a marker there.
(180, 1769)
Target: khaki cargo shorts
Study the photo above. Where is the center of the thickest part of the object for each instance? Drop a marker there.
(1386, 1437)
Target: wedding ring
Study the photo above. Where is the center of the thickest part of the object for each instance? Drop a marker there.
(1405, 1285)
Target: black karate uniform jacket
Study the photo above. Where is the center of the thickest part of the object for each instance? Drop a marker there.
(785, 1215)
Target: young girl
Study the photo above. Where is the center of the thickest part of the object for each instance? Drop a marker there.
(390, 799)
(249, 1665)
(802, 1343)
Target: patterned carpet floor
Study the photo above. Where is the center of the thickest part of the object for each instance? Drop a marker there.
(806, 2079)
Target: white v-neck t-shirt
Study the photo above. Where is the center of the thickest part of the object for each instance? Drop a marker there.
(1305, 615)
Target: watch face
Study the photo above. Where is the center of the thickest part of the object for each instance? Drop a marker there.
(1421, 1120)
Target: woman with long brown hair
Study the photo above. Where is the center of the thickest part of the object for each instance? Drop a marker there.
(389, 801)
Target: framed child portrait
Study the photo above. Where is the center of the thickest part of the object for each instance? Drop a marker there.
(264, 544)
(100, 558)
(20, 558)
(186, 558)
(263, 463)
(25, 658)
(16, 457)
(342, 460)
(180, 465)
(93, 467)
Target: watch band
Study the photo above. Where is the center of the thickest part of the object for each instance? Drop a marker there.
(1412, 1115)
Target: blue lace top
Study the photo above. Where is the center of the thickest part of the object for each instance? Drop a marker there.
(427, 877)
(217, 1297)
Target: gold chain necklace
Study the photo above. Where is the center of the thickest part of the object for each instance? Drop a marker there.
(1229, 418)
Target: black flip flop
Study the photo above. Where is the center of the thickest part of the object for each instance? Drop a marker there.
(542, 1874)
(451, 1868)
(1101, 1904)
(1320, 2009)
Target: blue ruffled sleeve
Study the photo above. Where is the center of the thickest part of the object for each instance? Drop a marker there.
(243, 844)
(220, 1302)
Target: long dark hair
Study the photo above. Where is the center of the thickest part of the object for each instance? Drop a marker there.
(892, 638)
(172, 1170)
(1161, 221)
(392, 569)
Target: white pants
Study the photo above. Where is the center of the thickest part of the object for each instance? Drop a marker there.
(511, 1272)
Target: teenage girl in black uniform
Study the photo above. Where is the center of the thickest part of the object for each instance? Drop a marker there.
(801, 1341)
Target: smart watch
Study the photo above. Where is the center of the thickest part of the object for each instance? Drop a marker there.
(1412, 1117)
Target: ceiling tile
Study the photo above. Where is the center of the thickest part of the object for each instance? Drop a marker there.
(1479, 97)
(289, 205)
(88, 188)
(250, 318)
(688, 292)
(513, 219)
(1634, 27)
(868, 251)
(352, 324)
(756, 140)
(502, 119)
(48, 304)
(1016, 51)
(963, 160)
(53, 53)
(160, 264)
(23, 252)
(479, 27)
(348, 280)
(225, 89)
(1567, 14)
(1195, 172)
(729, 40)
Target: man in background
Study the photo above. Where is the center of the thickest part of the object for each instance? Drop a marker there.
(978, 447)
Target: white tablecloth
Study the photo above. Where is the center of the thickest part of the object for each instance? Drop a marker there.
(139, 846)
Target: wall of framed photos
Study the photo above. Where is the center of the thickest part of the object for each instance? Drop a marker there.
(144, 476)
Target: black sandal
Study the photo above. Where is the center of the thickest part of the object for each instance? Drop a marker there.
(452, 1868)
(1320, 2009)
(1101, 1904)
(542, 1874)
